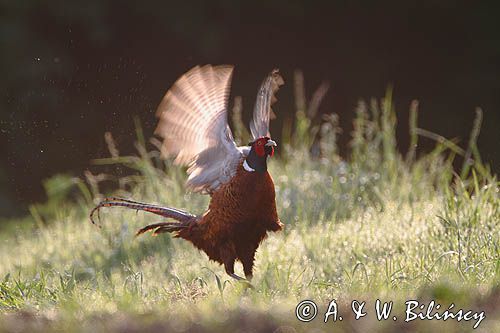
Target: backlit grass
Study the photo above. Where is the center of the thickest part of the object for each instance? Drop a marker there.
(374, 225)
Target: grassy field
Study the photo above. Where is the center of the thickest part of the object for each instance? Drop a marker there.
(373, 225)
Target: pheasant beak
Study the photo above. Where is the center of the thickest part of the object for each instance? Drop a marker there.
(271, 143)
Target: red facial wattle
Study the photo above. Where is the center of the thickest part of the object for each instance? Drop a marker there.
(264, 146)
(259, 149)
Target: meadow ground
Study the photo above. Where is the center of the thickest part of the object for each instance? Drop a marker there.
(375, 225)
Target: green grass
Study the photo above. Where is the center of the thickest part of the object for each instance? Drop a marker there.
(374, 225)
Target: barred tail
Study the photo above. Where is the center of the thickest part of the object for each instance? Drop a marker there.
(184, 219)
(159, 228)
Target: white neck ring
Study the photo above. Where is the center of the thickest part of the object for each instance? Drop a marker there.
(247, 167)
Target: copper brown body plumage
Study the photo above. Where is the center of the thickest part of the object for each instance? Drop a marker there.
(240, 214)
(193, 123)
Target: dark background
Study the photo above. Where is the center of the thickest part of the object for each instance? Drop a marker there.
(72, 70)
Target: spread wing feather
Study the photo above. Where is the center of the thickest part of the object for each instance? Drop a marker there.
(259, 126)
(193, 123)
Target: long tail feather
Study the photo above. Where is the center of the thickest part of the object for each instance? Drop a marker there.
(162, 227)
(167, 212)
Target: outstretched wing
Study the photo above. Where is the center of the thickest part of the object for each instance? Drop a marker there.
(193, 123)
(259, 126)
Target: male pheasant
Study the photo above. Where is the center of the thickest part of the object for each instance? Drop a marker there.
(193, 123)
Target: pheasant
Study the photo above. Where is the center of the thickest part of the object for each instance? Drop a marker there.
(194, 127)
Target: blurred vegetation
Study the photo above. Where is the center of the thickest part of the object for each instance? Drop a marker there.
(377, 224)
(74, 70)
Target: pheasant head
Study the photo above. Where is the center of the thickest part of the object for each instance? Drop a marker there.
(260, 149)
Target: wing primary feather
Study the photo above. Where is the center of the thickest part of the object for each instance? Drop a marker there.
(193, 123)
(259, 126)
